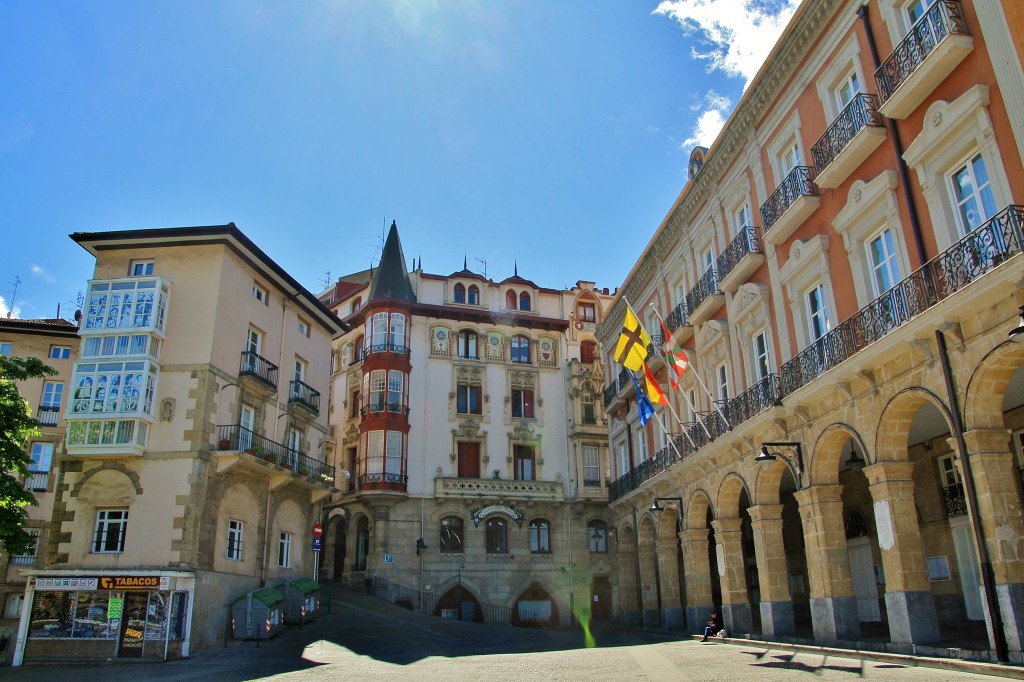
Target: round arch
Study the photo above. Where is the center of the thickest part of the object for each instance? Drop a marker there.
(729, 494)
(696, 516)
(988, 384)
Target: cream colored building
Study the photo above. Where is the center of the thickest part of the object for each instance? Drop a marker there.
(843, 267)
(55, 342)
(194, 463)
(467, 415)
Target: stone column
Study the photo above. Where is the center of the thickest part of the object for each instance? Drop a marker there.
(772, 570)
(999, 508)
(668, 574)
(629, 609)
(909, 601)
(649, 585)
(698, 578)
(731, 569)
(833, 606)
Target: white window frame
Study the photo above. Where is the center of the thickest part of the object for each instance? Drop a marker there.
(141, 268)
(762, 355)
(722, 380)
(949, 473)
(302, 327)
(806, 267)
(889, 265)
(60, 352)
(284, 550)
(260, 293)
(641, 434)
(53, 394)
(977, 195)
(819, 319)
(782, 147)
(6, 348)
(235, 538)
(246, 420)
(254, 340)
(107, 521)
(592, 464)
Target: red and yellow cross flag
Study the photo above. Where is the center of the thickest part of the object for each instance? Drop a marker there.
(631, 349)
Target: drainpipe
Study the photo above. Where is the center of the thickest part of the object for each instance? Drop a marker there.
(987, 575)
(897, 147)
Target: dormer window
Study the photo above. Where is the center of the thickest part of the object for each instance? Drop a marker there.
(460, 293)
(510, 299)
(524, 301)
(474, 295)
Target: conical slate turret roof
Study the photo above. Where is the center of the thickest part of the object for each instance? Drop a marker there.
(391, 281)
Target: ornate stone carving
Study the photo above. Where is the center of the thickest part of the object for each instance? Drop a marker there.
(167, 409)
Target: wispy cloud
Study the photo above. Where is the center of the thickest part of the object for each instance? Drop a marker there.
(42, 274)
(732, 37)
(6, 312)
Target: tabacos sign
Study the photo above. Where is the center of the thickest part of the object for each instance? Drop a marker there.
(133, 582)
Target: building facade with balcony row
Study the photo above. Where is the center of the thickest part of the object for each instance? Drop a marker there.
(853, 231)
(193, 464)
(467, 413)
(55, 342)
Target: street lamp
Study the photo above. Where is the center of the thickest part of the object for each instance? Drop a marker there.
(1017, 333)
(794, 458)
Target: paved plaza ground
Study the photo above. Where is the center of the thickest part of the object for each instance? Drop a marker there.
(368, 639)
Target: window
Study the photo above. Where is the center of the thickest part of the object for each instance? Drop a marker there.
(522, 456)
(642, 443)
(972, 193)
(284, 550)
(741, 219)
(587, 351)
(707, 260)
(524, 301)
(949, 475)
(234, 550)
(378, 386)
(723, 382)
(468, 345)
(789, 158)
(540, 537)
(938, 568)
(468, 399)
(353, 405)
(357, 302)
(379, 329)
(597, 537)
(588, 413)
(108, 537)
(5, 348)
(53, 394)
(29, 557)
(14, 602)
(916, 9)
(397, 336)
(623, 459)
(141, 268)
(460, 293)
(114, 387)
(762, 363)
(247, 426)
(510, 299)
(885, 268)
(39, 468)
(300, 370)
(586, 311)
(817, 312)
(591, 466)
(253, 341)
(496, 536)
(302, 327)
(294, 446)
(450, 538)
(847, 89)
(396, 397)
(60, 352)
(259, 293)
(125, 304)
(359, 349)
(521, 349)
(522, 403)
(474, 295)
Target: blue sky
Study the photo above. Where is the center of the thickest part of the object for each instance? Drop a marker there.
(553, 134)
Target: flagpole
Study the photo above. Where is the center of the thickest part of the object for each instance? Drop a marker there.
(699, 380)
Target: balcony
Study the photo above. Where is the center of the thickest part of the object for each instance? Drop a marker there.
(856, 132)
(381, 408)
(741, 258)
(37, 481)
(935, 45)
(476, 488)
(620, 385)
(304, 396)
(48, 415)
(237, 446)
(656, 352)
(138, 304)
(259, 368)
(790, 205)
(978, 253)
(953, 500)
(376, 348)
(704, 298)
(678, 322)
(114, 437)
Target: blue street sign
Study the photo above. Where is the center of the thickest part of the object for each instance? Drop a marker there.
(316, 544)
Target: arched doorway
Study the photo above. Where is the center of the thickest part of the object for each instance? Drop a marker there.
(535, 608)
(340, 533)
(458, 603)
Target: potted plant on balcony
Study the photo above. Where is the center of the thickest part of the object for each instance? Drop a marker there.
(327, 478)
(303, 470)
(224, 444)
(496, 474)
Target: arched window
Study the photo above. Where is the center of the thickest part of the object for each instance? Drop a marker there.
(356, 303)
(540, 537)
(497, 536)
(467, 344)
(510, 299)
(474, 295)
(597, 537)
(524, 301)
(359, 349)
(521, 349)
(460, 293)
(451, 536)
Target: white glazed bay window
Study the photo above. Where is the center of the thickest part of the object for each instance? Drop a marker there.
(126, 304)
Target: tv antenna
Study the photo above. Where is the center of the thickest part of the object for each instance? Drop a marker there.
(482, 261)
(326, 281)
(14, 296)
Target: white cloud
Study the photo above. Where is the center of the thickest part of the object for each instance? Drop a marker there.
(733, 37)
(38, 271)
(4, 310)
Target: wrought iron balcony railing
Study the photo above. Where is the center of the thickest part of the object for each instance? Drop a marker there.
(954, 501)
(797, 184)
(976, 254)
(304, 395)
(679, 317)
(233, 437)
(373, 349)
(256, 366)
(654, 348)
(764, 394)
(377, 408)
(862, 111)
(941, 20)
(47, 415)
(37, 481)
(706, 287)
(747, 242)
(383, 477)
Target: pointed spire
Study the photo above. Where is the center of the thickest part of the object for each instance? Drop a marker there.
(392, 279)
(515, 268)
(464, 261)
